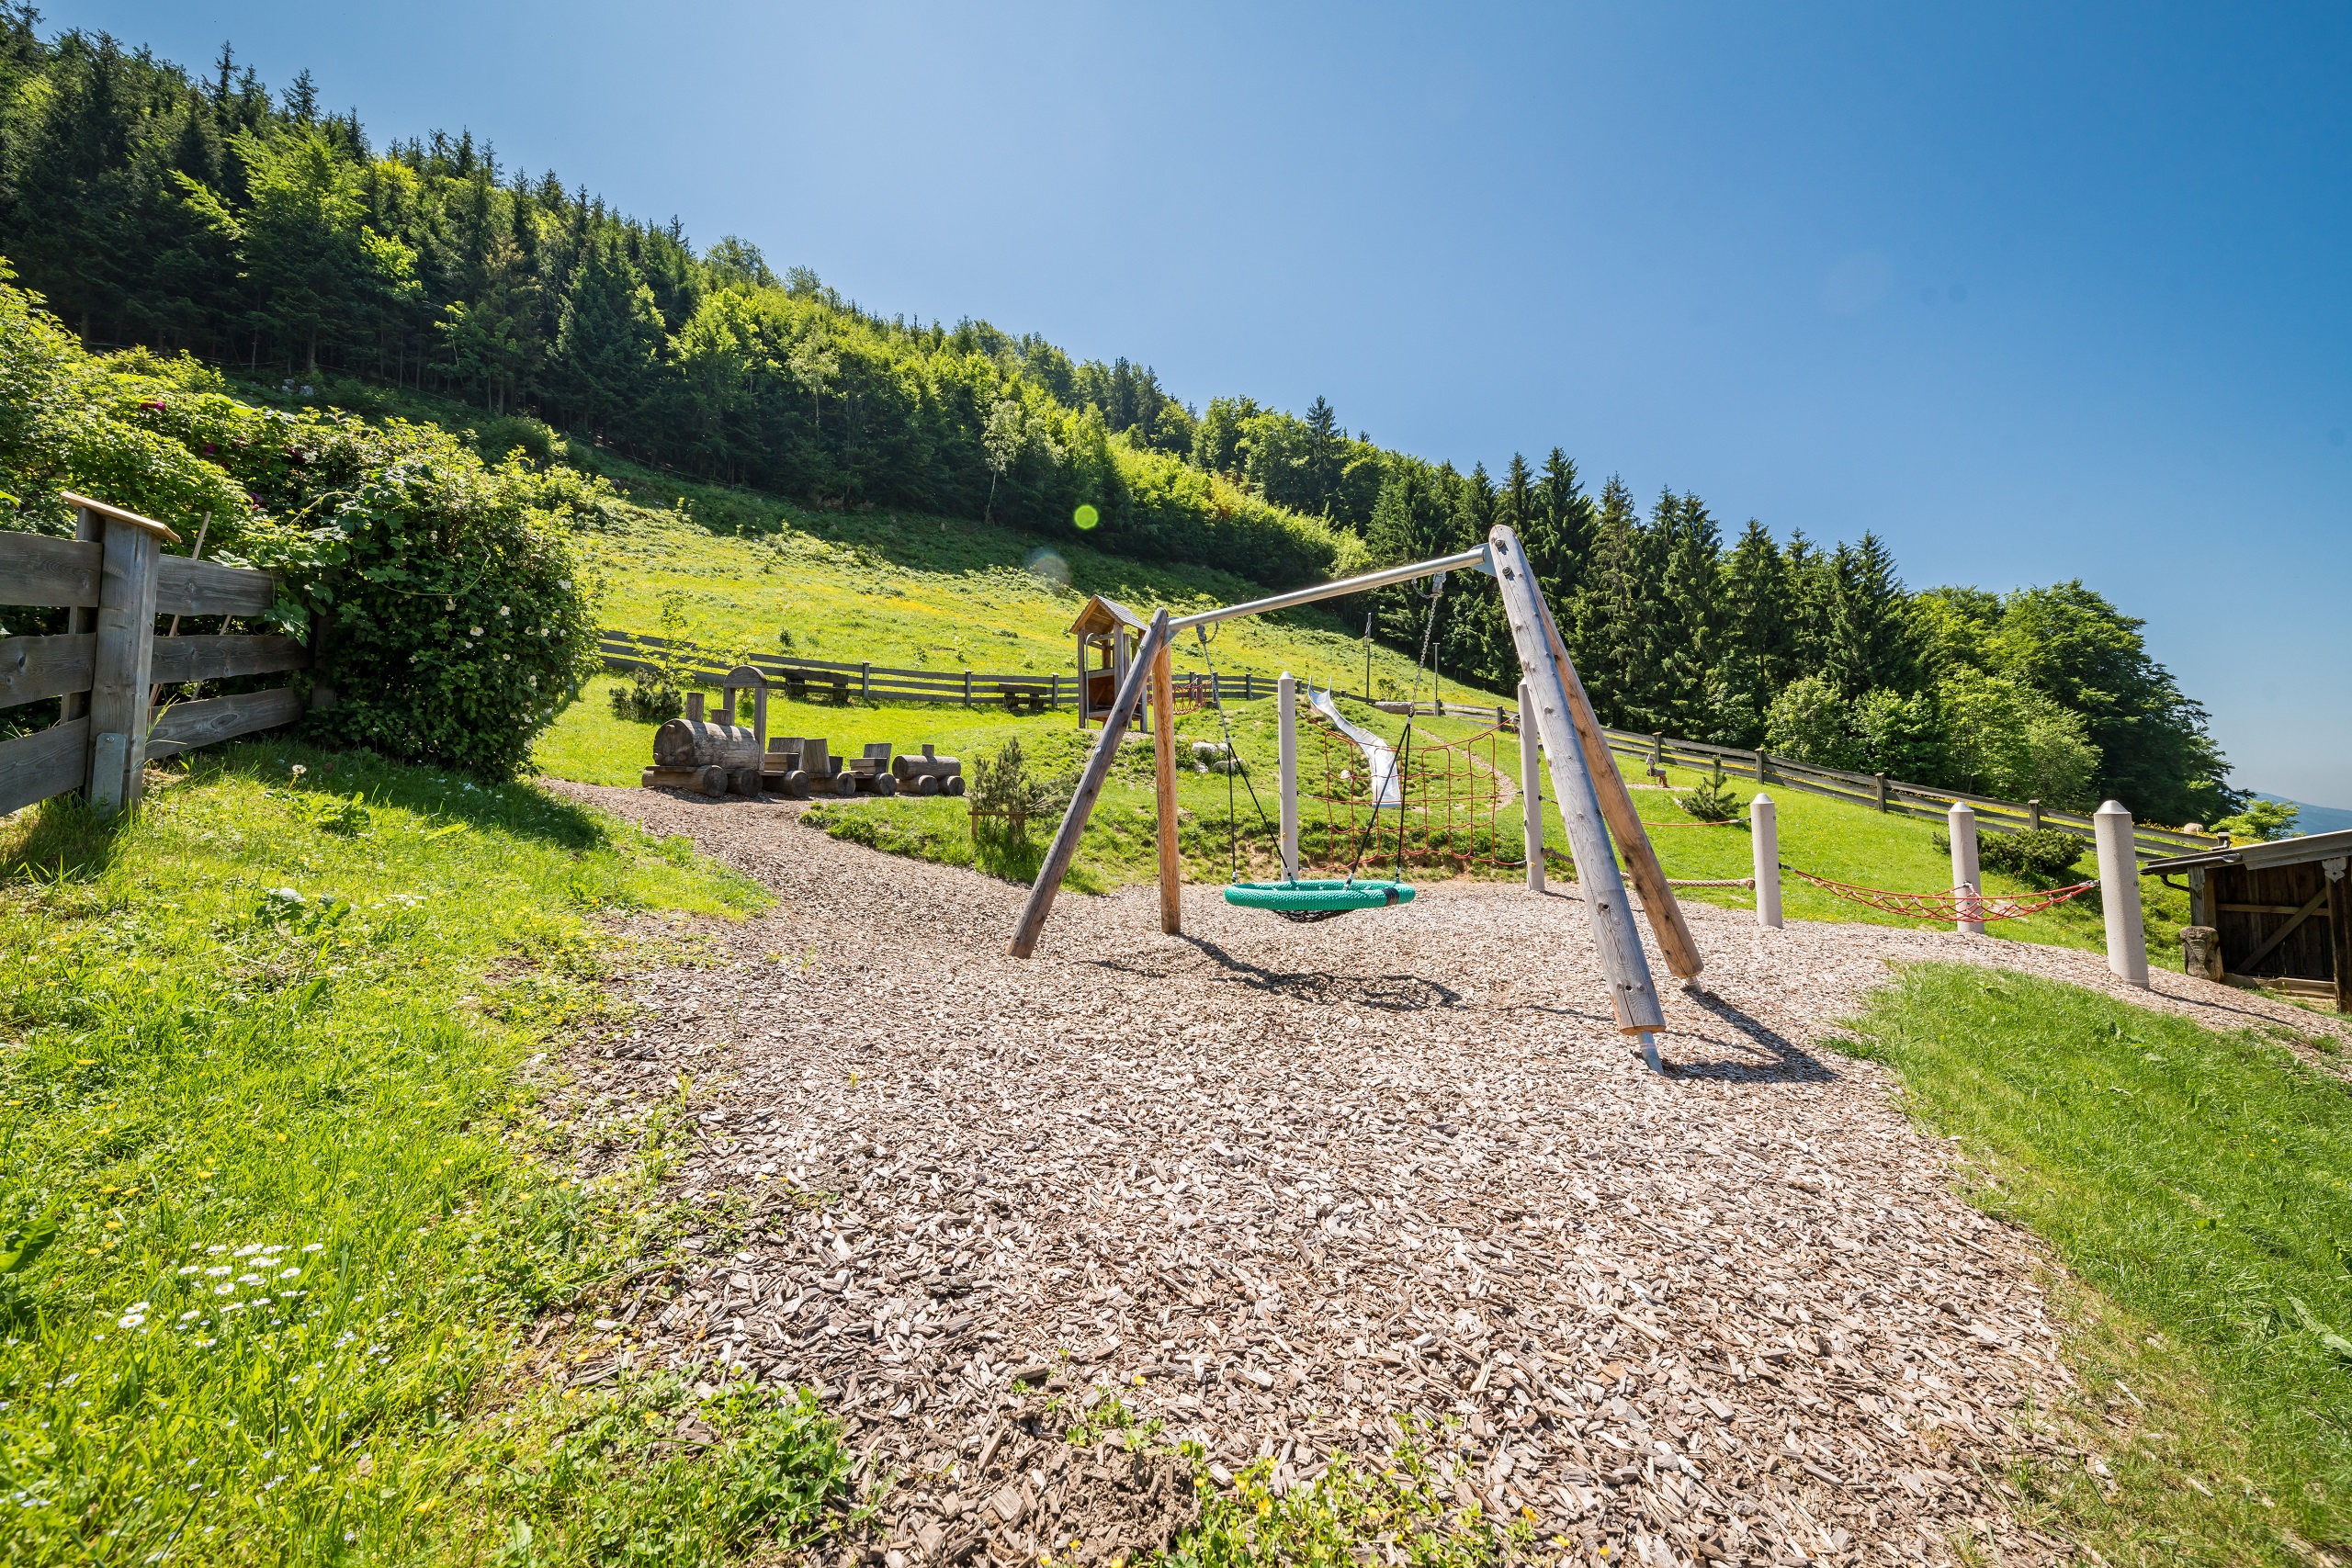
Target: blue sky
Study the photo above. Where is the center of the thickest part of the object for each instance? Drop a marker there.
(2037, 293)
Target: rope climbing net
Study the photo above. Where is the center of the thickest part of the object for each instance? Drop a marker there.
(1456, 797)
(1959, 904)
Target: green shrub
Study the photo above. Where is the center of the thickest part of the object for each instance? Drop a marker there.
(2037, 852)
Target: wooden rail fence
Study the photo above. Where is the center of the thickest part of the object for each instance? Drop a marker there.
(867, 681)
(1883, 793)
(106, 668)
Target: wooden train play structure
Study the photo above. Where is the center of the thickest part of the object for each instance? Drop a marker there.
(718, 757)
(1592, 797)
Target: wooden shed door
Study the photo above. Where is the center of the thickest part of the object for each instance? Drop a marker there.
(2283, 924)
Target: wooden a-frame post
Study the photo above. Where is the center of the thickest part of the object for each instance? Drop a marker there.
(1622, 963)
(1064, 848)
(1659, 906)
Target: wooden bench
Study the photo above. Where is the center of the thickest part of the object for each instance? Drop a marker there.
(796, 683)
(1037, 699)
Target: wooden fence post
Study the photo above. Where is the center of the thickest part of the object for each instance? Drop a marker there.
(1764, 840)
(1286, 746)
(865, 681)
(2034, 816)
(1531, 788)
(1966, 879)
(1759, 764)
(2118, 894)
(1882, 791)
(967, 688)
(121, 681)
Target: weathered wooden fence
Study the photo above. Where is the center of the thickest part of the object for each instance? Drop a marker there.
(106, 667)
(867, 681)
(1883, 793)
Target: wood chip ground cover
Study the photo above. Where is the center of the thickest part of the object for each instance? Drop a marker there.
(1303, 1192)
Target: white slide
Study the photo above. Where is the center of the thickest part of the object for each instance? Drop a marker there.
(1385, 795)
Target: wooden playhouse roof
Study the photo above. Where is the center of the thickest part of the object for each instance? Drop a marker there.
(1102, 615)
(2256, 856)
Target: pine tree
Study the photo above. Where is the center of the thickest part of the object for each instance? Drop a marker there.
(1812, 597)
(1325, 455)
(1615, 639)
(610, 333)
(1873, 643)
(1559, 533)
(1759, 634)
(1690, 619)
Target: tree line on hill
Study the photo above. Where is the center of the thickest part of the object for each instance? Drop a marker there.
(1820, 654)
(154, 208)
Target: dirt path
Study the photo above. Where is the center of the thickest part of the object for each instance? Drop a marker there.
(1288, 1187)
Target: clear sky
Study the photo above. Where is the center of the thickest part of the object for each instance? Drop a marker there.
(2036, 292)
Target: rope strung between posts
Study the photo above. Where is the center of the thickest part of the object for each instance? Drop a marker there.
(1959, 903)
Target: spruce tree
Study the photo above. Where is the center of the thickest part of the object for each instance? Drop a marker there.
(1758, 633)
(1615, 637)
(1691, 618)
(1812, 596)
(1873, 643)
(609, 335)
(1559, 533)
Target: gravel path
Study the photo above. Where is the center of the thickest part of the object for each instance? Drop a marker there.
(1294, 1188)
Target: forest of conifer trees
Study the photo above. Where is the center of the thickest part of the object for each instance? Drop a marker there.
(154, 208)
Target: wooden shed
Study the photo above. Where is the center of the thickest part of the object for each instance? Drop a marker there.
(1108, 631)
(2280, 913)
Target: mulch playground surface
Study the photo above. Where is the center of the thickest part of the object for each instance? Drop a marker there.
(1306, 1192)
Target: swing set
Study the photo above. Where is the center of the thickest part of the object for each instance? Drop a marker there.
(1594, 803)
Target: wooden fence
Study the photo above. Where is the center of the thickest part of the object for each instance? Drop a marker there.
(107, 666)
(1881, 793)
(864, 682)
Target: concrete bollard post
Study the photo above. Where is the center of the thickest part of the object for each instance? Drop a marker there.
(1531, 787)
(1764, 838)
(2118, 893)
(1965, 876)
(1286, 730)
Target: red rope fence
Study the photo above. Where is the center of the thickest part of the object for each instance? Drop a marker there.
(1959, 903)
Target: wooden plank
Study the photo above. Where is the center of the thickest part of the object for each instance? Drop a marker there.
(32, 668)
(2245, 965)
(47, 573)
(48, 762)
(148, 525)
(2339, 911)
(1163, 781)
(179, 659)
(184, 725)
(2265, 909)
(185, 587)
(121, 677)
(1659, 906)
(1064, 848)
(1624, 965)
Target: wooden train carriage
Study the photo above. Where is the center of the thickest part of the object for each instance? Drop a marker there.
(2280, 913)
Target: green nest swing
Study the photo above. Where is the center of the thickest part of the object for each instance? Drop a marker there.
(1318, 899)
(1305, 899)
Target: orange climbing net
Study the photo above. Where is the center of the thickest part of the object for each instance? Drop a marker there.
(1959, 903)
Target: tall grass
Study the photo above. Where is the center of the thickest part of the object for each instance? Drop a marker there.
(2200, 1185)
(267, 1134)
